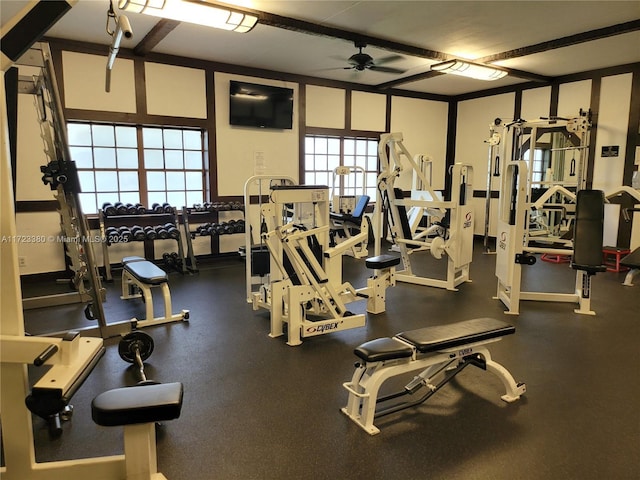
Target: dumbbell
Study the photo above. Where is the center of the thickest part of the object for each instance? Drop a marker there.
(168, 261)
(239, 227)
(121, 208)
(131, 209)
(125, 234)
(177, 261)
(108, 209)
(138, 233)
(237, 206)
(218, 229)
(112, 234)
(229, 227)
(135, 347)
(157, 208)
(150, 233)
(172, 230)
(140, 209)
(167, 208)
(162, 232)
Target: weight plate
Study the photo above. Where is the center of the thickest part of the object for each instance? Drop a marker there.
(133, 341)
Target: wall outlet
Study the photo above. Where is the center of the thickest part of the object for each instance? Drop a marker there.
(22, 261)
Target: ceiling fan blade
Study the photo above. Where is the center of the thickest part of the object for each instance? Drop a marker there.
(389, 59)
(376, 68)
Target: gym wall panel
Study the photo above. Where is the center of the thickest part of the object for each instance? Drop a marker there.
(423, 124)
(238, 147)
(472, 129)
(175, 91)
(574, 96)
(535, 103)
(613, 121)
(368, 111)
(42, 249)
(325, 107)
(84, 83)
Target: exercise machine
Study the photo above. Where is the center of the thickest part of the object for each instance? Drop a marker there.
(305, 288)
(139, 278)
(516, 247)
(439, 352)
(450, 232)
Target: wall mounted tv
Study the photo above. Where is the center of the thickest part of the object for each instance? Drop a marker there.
(264, 106)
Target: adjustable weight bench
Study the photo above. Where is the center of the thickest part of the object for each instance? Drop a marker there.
(631, 261)
(138, 409)
(140, 274)
(441, 352)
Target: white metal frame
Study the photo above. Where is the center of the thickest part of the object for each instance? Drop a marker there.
(457, 245)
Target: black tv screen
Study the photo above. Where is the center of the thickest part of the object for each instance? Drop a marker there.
(263, 106)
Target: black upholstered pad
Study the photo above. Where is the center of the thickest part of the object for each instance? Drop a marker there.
(139, 404)
(382, 261)
(382, 349)
(632, 260)
(146, 272)
(433, 339)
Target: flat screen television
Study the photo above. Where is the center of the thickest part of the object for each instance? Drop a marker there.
(263, 106)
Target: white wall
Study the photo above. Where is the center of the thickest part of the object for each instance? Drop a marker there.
(175, 91)
(325, 107)
(368, 111)
(238, 147)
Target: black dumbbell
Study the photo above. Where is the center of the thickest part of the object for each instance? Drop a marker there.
(108, 209)
(168, 261)
(125, 234)
(140, 209)
(167, 208)
(162, 233)
(172, 230)
(150, 233)
(239, 226)
(131, 209)
(121, 208)
(138, 233)
(135, 347)
(229, 227)
(157, 208)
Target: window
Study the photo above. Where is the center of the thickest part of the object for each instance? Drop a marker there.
(540, 164)
(168, 165)
(324, 153)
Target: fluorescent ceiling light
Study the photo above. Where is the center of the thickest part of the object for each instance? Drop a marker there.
(469, 69)
(193, 11)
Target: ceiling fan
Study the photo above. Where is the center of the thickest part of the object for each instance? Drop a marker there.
(361, 61)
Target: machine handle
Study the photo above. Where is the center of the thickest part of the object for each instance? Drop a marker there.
(48, 352)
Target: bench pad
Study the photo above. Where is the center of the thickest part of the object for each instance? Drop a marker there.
(382, 349)
(382, 261)
(441, 337)
(632, 260)
(145, 271)
(139, 404)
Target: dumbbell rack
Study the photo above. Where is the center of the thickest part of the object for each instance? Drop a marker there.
(148, 219)
(192, 216)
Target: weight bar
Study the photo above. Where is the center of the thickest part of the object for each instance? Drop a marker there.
(135, 347)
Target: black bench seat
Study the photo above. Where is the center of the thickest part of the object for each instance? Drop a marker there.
(139, 404)
(382, 261)
(144, 271)
(441, 337)
(382, 349)
(632, 260)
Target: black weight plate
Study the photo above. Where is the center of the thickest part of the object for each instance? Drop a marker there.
(132, 341)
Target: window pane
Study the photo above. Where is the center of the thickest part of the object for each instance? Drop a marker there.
(372, 147)
(321, 145)
(176, 199)
(322, 178)
(372, 164)
(155, 181)
(175, 181)
(88, 203)
(193, 197)
(361, 147)
(110, 197)
(127, 158)
(157, 197)
(83, 156)
(173, 159)
(104, 157)
(126, 137)
(130, 197)
(103, 136)
(152, 137)
(79, 134)
(333, 146)
(372, 181)
(172, 139)
(334, 161)
(192, 140)
(349, 160)
(193, 160)
(308, 162)
(153, 159)
(349, 146)
(321, 162)
(309, 178)
(128, 181)
(87, 182)
(308, 145)
(194, 180)
(361, 161)
(106, 181)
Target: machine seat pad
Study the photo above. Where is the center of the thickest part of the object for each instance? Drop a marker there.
(441, 337)
(382, 261)
(145, 272)
(139, 404)
(382, 349)
(632, 260)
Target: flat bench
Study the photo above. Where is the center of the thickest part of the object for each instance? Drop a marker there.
(138, 273)
(138, 409)
(441, 352)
